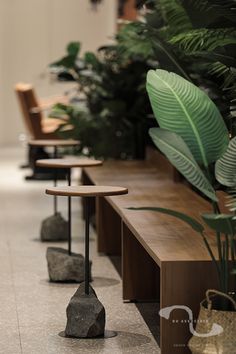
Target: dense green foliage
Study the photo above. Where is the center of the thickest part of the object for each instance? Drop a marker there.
(195, 39)
(194, 105)
(113, 121)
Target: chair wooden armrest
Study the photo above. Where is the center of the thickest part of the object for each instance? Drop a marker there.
(39, 126)
(47, 103)
(51, 124)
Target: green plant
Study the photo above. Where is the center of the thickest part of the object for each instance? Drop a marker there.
(193, 136)
(195, 39)
(113, 122)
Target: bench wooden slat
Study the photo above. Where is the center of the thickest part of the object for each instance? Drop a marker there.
(149, 187)
(162, 257)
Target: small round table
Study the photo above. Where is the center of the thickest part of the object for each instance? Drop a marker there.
(36, 152)
(85, 298)
(55, 143)
(68, 163)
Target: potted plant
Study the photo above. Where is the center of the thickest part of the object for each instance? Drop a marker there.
(112, 122)
(195, 39)
(193, 136)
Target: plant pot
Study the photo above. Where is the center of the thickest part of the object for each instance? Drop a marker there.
(215, 329)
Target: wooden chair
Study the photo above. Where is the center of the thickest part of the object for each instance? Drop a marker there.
(38, 126)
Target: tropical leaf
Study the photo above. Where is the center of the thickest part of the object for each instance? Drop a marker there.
(227, 60)
(166, 57)
(187, 219)
(73, 48)
(206, 13)
(223, 223)
(90, 58)
(176, 150)
(204, 39)
(175, 16)
(69, 61)
(230, 201)
(132, 42)
(225, 168)
(183, 108)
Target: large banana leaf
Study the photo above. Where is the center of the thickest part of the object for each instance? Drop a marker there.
(187, 219)
(176, 150)
(183, 108)
(225, 168)
(223, 223)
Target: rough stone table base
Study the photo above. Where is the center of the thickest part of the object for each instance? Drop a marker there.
(85, 315)
(54, 228)
(63, 267)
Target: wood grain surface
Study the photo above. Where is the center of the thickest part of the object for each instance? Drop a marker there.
(53, 142)
(68, 162)
(87, 191)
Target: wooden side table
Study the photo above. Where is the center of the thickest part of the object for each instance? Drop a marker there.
(85, 313)
(36, 147)
(68, 164)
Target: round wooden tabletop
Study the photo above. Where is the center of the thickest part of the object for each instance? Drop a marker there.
(53, 142)
(87, 191)
(68, 162)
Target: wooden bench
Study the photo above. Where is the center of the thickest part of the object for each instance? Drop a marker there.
(162, 258)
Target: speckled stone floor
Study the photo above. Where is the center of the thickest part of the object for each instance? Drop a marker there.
(32, 310)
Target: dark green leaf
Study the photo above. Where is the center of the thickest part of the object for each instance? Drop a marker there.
(223, 223)
(73, 49)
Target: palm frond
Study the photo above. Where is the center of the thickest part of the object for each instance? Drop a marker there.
(211, 4)
(204, 39)
(220, 8)
(175, 16)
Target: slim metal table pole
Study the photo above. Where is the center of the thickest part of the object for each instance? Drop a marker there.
(86, 268)
(55, 181)
(69, 214)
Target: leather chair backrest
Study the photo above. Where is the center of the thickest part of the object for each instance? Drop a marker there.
(28, 101)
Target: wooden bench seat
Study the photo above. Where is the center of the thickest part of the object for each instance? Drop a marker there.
(163, 259)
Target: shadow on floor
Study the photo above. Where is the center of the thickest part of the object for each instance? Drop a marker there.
(124, 342)
(148, 310)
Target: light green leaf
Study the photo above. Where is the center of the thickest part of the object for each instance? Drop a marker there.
(225, 168)
(187, 219)
(175, 149)
(223, 223)
(183, 108)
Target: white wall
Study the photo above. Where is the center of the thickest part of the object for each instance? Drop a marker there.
(34, 33)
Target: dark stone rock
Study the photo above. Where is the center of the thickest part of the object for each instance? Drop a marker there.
(63, 267)
(85, 315)
(54, 228)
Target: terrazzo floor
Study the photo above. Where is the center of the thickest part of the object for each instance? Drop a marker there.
(32, 310)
